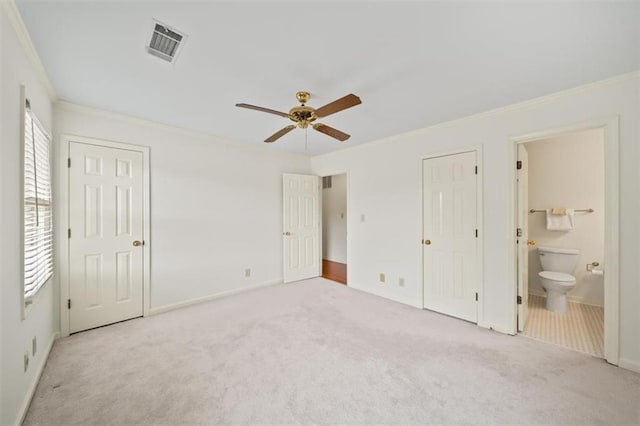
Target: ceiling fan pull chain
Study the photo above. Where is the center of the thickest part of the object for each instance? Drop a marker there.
(305, 139)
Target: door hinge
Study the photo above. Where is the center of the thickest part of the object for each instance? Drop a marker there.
(519, 232)
(476, 297)
(519, 165)
(476, 233)
(476, 169)
(519, 300)
(69, 163)
(68, 303)
(69, 233)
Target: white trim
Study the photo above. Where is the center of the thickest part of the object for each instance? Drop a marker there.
(629, 365)
(24, 310)
(611, 243)
(570, 298)
(13, 13)
(494, 327)
(479, 222)
(109, 115)
(198, 300)
(392, 298)
(485, 114)
(63, 220)
(34, 383)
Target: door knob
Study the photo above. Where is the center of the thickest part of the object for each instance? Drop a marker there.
(531, 243)
(286, 233)
(427, 242)
(137, 243)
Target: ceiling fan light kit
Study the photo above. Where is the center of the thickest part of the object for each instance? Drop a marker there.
(305, 116)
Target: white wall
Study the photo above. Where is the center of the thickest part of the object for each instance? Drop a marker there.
(385, 186)
(568, 171)
(16, 69)
(334, 220)
(216, 207)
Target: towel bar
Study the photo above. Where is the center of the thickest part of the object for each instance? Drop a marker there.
(577, 211)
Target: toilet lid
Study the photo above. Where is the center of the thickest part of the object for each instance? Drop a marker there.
(558, 276)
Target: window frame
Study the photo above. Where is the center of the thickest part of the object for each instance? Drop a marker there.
(27, 303)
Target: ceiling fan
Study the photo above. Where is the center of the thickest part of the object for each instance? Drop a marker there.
(305, 116)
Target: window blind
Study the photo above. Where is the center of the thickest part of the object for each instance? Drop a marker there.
(38, 206)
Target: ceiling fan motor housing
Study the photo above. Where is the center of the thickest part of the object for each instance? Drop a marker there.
(303, 115)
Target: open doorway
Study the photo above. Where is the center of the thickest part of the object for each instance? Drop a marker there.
(334, 228)
(562, 241)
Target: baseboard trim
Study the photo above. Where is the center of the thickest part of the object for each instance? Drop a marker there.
(498, 328)
(34, 384)
(570, 298)
(197, 300)
(629, 365)
(384, 296)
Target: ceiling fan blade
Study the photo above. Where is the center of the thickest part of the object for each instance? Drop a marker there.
(338, 105)
(280, 133)
(330, 131)
(270, 111)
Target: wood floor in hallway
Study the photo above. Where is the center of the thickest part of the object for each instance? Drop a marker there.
(334, 271)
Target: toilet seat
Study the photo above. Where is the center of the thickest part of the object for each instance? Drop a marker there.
(559, 277)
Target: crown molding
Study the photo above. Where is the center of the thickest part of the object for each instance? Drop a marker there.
(500, 110)
(11, 9)
(97, 112)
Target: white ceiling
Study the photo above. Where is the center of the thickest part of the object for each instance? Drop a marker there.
(412, 64)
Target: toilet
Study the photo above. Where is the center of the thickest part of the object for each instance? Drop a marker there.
(557, 266)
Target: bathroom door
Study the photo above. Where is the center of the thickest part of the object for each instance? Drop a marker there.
(522, 237)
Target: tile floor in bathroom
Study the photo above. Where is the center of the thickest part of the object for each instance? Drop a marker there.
(581, 328)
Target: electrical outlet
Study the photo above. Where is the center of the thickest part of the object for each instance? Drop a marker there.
(34, 346)
(341, 215)
(381, 278)
(401, 282)
(362, 217)
(26, 361)
(247, 272)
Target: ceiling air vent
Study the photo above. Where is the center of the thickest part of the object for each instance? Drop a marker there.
(165, 42)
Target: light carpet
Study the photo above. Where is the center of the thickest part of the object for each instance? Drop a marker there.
(580, 328)
(319, 352)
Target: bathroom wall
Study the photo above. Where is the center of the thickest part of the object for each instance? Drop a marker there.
(568, 171)
(334, 220)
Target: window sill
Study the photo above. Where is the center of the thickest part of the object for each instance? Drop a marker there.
(29, 303)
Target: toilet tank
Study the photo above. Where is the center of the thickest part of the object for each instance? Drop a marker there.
(558, 259)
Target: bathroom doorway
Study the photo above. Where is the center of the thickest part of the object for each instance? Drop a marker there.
(334, 228)
(565, 235)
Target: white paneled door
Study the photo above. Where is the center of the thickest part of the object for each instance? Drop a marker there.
(301, 227)
(106, 235)
(522, 234)
(450, 252)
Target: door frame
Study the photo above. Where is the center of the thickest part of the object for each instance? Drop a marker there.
(479, 221)
(346, 173)
(63, 224)
(610, 125)
(524, 277)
